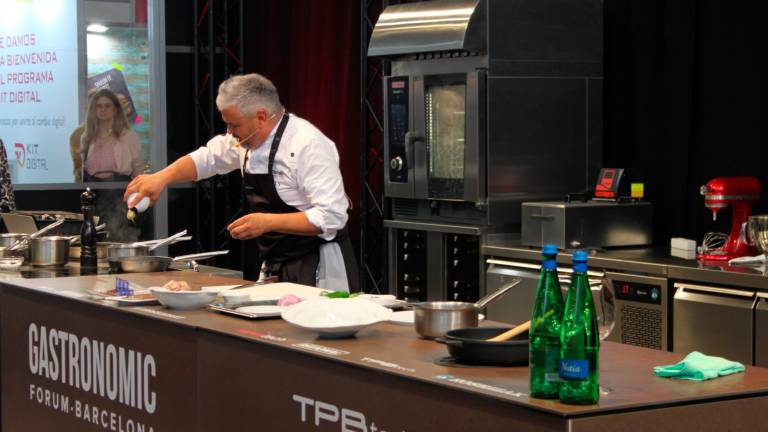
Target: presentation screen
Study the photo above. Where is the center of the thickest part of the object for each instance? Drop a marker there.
(39, 86)
(74, 90)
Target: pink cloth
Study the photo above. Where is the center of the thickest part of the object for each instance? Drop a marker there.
(101, 157)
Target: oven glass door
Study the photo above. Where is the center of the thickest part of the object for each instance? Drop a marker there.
(445, 102)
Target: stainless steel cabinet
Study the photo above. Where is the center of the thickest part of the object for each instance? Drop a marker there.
(761, 330)
(713, 320)
(515, 306)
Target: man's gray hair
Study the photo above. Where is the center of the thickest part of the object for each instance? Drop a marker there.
(248, 93)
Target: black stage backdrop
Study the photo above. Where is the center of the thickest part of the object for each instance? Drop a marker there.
(310, 49)
(682, 101)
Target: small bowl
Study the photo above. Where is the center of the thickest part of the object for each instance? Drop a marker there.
(758, 232)
(183, 299)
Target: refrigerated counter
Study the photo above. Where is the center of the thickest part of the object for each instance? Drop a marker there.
(663, 302)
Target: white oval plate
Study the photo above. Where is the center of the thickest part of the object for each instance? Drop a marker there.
(335, 318)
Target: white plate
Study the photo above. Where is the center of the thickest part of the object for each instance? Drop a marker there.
(407, 317)
(217, 288)
(183, 299)
(386, 300)
(128, 301)
(335, 318)
(262, 311)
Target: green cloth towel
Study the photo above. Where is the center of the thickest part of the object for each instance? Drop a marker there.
(698, 367)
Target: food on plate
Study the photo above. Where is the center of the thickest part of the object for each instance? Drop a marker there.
(175, 285)
(338, 294)
(142, 296)
(288, 300)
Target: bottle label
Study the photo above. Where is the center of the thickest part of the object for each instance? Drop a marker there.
(574, 369)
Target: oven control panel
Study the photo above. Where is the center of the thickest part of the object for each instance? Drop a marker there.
(397, 112)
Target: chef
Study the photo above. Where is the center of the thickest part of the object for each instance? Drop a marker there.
(297, 208)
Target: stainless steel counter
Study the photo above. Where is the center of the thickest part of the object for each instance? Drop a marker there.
(652, 261)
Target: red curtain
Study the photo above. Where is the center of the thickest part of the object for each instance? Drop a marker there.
(310, 49)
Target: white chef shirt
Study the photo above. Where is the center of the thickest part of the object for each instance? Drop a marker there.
(307, 177)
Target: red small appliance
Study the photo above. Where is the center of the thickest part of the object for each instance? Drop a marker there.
(739, 193)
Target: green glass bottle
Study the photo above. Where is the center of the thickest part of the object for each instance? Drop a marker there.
(579, 340)
(544, 335)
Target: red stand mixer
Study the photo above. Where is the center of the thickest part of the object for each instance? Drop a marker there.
(740, 193)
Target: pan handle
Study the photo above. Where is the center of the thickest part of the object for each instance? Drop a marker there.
(200, 256)
(449, 342)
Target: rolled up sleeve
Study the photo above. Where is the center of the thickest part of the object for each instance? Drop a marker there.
(218, 156)
(320, 180)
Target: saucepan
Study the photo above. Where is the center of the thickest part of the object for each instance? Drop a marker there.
(9, 239)
(49, 251)
(21, 242)
(150, 263)
(434, 318)
(141, 248)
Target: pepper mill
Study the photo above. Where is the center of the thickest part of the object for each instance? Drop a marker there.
(88, 258)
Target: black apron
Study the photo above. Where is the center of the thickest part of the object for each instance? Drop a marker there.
(293, 258)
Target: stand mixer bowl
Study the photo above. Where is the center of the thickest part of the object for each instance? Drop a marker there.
(757, 229)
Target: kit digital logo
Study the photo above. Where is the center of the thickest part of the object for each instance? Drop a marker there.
(28, 157)
(21, 154)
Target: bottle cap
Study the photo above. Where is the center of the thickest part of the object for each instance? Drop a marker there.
(580, 256)
(549, 249)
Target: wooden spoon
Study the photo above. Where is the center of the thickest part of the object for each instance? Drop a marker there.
(509, 334)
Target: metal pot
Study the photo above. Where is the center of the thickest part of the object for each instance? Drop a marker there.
(470, 346)
(101, 250)
(119, 250)
(49, 251)
(147, 264)
(9, 239)
(434, 318)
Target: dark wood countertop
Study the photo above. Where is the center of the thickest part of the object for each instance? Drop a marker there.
(396, 349)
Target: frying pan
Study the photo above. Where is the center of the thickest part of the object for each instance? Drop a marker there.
(150, 263)
(469, 346)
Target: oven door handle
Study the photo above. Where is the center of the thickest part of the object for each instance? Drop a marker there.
(411, 137)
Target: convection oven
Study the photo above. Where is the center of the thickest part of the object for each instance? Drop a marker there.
(487, 103)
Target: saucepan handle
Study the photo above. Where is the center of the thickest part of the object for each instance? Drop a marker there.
(200, 256)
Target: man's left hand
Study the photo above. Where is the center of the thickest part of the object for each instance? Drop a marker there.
(250, 226)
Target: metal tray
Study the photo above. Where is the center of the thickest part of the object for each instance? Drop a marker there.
(231, 309)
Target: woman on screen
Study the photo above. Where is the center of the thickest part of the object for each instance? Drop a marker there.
(110, 149)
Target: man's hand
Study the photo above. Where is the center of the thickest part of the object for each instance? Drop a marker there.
(251, 225)
(152, 185)
(149, 185)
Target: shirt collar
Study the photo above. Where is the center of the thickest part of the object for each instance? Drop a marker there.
(271, 135)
